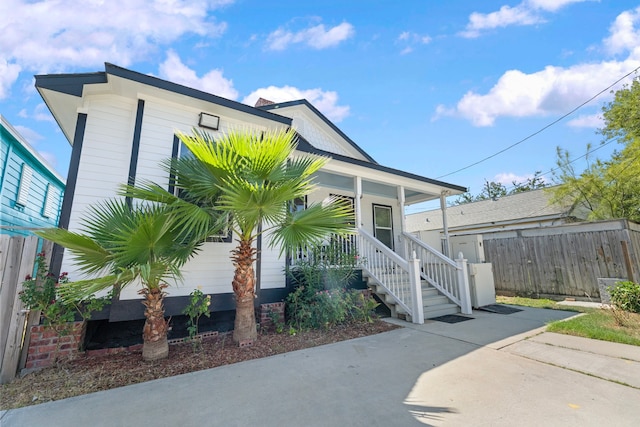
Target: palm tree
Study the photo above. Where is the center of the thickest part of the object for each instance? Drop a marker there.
(119, 246)
(247, 181)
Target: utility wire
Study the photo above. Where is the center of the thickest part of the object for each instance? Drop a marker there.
(512, 187)
(545, 127)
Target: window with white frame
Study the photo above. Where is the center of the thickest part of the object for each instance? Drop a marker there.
(383, 224)
(25, 184)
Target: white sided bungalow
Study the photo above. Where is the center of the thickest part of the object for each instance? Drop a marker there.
(122, 125)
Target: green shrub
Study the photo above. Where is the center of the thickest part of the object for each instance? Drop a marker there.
(321, 299)
(40, 293)
(626, 296)
(311, 308)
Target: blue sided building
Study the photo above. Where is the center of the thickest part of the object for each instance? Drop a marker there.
(31, 190)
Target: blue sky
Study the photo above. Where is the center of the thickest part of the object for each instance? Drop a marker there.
(429, 87)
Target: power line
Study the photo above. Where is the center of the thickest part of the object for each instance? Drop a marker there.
(604, 144)
(550, 171)
(545, 127)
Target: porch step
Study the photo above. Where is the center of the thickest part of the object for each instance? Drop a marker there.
(440, 310)
(435, 310)
(428, 291)
(434, 303)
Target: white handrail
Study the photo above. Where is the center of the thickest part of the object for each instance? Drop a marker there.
(388, 270)
(439, 271)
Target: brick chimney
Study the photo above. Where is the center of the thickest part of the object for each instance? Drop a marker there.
(262, 102)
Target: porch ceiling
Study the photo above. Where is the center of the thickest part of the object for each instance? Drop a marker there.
(372, 187)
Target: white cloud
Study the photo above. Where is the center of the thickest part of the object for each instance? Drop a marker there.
(593, 121)
(55, 35)
(506, 16)
(8, 75)
(508, 178)
(525, 13)
(325, 101)
(30, 135)
(49, 157)
(40, 113)
(624, 36)
(410, 39)
(552, 5)
(316, 37)
(213, 82)
(553, 90)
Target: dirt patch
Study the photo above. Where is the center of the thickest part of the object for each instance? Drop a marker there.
(88, 374)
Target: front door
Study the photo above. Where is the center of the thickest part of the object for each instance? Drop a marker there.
(383, 224)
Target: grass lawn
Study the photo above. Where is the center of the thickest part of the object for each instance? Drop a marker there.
(598, 324)
(541, 303)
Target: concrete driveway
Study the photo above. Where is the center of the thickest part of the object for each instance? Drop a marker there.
(494, 370)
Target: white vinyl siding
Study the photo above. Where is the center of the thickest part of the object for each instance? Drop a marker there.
(25, 184)
(104, 162)
(272, 265)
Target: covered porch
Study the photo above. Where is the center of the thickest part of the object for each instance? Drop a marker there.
(413, 279)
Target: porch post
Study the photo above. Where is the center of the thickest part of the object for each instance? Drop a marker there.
(445, 226)
(417, 315)
(463, 283)
(358, 204)
(403, 225)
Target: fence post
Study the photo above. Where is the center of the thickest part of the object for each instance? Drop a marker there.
(463, 282)
(13, 345)
(416, 290)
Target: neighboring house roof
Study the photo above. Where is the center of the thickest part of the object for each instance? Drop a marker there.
(527, 207)
(28, 148)
(31, 189)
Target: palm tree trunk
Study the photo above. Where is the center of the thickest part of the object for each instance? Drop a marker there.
(154, 335)
(244, 289)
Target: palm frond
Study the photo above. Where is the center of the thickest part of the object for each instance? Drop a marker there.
(90, 257)
(82, 289)
(312, 225)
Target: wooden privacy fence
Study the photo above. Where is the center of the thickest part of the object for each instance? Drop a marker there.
(17, 258)
(565, 260)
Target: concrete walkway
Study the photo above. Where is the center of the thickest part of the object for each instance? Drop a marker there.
(494, 370)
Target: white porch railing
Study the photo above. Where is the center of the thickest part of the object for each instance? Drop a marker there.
(399, 278)
(448, 276)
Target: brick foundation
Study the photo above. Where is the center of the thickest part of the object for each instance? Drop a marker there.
(45, 345)
(274, 307)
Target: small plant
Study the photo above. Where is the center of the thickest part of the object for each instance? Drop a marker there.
(626, 296)
(276, 321)
(198, 306)
(40, 293)
(363, 307)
